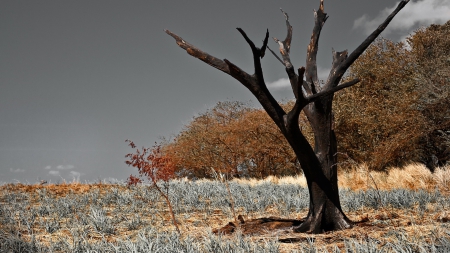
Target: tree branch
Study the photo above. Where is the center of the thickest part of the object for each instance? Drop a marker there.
(276, 56)
(285, 47)
(249, 41)
(300, 83)
(263, 48)
(199, 54)
(311, 63)
(288, 39)
(256, 56)
(332, 90)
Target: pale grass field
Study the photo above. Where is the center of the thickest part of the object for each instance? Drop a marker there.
(384, 224)
(414, 176)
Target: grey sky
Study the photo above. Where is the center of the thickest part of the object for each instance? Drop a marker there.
(78, 78)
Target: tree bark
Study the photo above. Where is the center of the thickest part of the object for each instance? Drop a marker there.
(319, 164)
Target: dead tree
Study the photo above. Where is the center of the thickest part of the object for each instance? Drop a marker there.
(319, 164)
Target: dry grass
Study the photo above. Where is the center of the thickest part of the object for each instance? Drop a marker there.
(383, 225)
(414, 177)
(60, 190)
(299, 180)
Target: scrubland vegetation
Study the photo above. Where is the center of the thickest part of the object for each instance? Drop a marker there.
(405, 210)
(398, 115)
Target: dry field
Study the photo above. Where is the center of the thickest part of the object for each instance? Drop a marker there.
(405, 210)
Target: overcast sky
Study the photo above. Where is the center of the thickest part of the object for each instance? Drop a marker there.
(78, 78)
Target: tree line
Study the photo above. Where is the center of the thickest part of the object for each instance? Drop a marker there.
(399, 113)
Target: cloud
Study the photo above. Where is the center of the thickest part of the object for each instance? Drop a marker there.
(283, 83)
(323, 73)
(48, 167)
(65, 167)
(76, 175)
(414, 14)
(54, 173)
(16, 170)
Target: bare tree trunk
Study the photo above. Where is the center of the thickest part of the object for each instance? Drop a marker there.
(319, 164)
(325, 212)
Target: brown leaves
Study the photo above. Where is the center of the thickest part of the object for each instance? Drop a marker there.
(235, 139)
(388, 119)
(156, 166)
(151, 163)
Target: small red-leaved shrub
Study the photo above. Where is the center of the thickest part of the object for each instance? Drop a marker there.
(154, 165)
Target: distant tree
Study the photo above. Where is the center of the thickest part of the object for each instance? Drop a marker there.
(235, 139)
(430, 47)
(375, 122)
(403, 104)
(319, 164)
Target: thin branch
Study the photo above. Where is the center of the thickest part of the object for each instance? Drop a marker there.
(276, 56)
(332, 90)
(259, 87)
(249, 41)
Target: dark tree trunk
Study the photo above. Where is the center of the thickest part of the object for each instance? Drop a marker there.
(325, 212)
(319, 164)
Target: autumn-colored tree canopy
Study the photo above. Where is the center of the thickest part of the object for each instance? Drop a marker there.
(398, 114)
(233, 138)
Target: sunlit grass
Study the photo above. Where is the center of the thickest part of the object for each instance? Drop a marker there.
(414, 176)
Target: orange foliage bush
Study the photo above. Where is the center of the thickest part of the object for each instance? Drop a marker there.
(235, 139)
